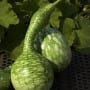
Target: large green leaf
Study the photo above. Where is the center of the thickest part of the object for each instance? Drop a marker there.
(83, 34)
(7, 15)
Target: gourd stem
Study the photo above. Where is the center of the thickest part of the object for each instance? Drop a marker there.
(38, 21)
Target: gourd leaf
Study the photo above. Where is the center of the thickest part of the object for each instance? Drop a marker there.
(68, 30)
(83, 35)
(7, 15)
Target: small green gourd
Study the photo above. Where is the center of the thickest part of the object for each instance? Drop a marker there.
(31, 71)
(55, 48)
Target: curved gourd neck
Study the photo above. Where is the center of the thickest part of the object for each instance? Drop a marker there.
(38, 21)
(29, 38)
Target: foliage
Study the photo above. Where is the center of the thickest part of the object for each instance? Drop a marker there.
(72, 17)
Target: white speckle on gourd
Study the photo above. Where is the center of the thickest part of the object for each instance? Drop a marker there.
(25, 72)
(43, 46)
(49, 37)
(56, 40)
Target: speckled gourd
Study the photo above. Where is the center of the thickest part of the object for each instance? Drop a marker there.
(31, 71)
(55, 48)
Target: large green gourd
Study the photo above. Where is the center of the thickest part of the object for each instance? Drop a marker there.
(31, 71)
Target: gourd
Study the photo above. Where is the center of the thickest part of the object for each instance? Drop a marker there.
(4, 79)
(55, 48)
(31, 71)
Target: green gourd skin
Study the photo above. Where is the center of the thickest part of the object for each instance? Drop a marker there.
(31, 71)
